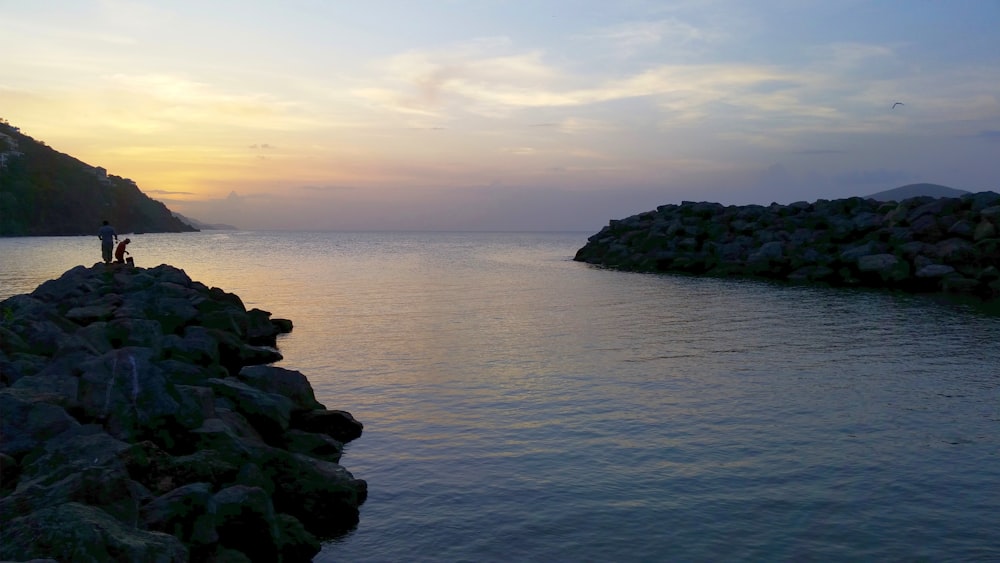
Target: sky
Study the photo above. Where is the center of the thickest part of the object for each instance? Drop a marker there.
(505, 114)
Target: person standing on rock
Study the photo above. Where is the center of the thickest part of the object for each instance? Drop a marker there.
(106, 233)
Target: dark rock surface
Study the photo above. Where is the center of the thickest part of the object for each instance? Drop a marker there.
(921, 244)
(141, 422)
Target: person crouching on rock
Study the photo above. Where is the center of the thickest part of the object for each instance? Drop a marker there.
(120, 252)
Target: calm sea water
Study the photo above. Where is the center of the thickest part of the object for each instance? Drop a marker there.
(519, 406)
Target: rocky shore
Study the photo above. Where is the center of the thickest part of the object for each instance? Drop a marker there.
(142, 422)
(921, 244)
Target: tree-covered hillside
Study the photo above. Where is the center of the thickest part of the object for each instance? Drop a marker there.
(45, 192)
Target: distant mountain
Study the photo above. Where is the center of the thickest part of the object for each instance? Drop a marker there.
(205, 226)
(915, 190)
(44, 192)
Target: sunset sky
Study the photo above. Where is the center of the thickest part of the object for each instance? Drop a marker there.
(505, 114)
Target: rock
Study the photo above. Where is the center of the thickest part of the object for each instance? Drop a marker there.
(259, 355)
(852, 241)
(322, 495)
(935, 271)
(81, 533)
(9, 472)
(260, 331)
(197, 345)
(297, 544)
(768, 251)
(143, 333)
(288, 383)
(26, 425)
(188, 512)
(76, 470)
(984, 230)
(958, 284)
(235, 353)
(313, 444)
(90, 313)
(53, 386)
(161, 472)
(283, 326)
(339, 425)
(140, 423)
(247, 522)
(252, 475)
(130, 394)
(268, 413)
(887, 266)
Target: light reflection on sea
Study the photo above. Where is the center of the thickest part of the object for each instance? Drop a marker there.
(520, 406)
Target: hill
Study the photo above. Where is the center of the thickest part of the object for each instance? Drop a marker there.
(916, 190)
(205, 226)
(44, 192)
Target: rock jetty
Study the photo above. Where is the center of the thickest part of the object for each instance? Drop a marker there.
(920, 244)
(142, 422)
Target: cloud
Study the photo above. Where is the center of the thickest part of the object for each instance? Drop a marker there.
(851, 55)
(469, 81)
(631, 38)
(524, 151)
(181, 99)
(577, 125)
(990, 135)
(430, 82)
(167, 192)
(462, 82)
(819, 152)
(326, 189)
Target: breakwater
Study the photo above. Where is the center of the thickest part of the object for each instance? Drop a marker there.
(141, 421)
(921, 244)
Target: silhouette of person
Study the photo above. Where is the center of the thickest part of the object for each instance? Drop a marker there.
(120, 252)
(106, 233)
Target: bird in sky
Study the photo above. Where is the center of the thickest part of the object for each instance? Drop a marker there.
(897, 104)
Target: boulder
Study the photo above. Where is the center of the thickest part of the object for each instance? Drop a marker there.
(339, 425)
(130, 394)
(887, 266)
(260, 331)
(188, 512)
(246, 522)
(9, 472)
(296, 543)
(288, 383)
(320, 446)
(79, 465)
(55, 384)
(935, 271)
(82, 533)
(268, 413)
(323, 495)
